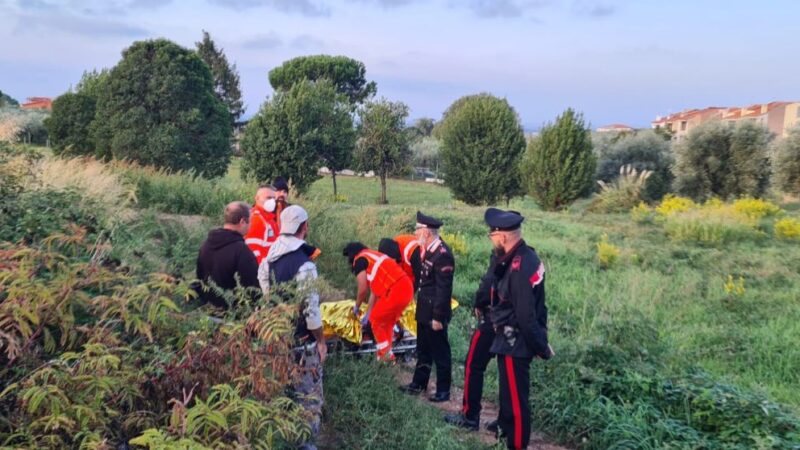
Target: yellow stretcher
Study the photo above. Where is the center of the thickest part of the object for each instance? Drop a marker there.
(339, 323)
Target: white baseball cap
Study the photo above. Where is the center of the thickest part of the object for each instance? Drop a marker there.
(291, 219)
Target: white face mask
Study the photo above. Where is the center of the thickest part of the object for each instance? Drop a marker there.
(269, 205)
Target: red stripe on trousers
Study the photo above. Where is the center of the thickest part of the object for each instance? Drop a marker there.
(471, 352)
(512, 385)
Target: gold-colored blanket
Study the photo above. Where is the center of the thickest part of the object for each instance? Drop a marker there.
(338, 320)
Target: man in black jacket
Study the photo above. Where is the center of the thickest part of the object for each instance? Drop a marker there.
(435, 289)
(224, 257)
(478, 357)
(519, 318)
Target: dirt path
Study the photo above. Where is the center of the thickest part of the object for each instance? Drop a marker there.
(488, 413)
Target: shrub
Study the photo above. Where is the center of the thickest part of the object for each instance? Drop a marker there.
(717, 160)
(94, 356)
(69, 124)
(710, 227)
(607, 253)
(644, 151)
(481, 145)
(158, 107)
(624, 193)
(673, 205)
(787, 228)
(755, 209)
(559, 165)
(456, 242)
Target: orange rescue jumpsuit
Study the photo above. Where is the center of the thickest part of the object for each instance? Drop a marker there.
(393, 291)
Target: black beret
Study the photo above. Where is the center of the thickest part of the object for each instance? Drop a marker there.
(280, 184)
(351, 249)
(428, 221)
(499, 220)
(390, 248)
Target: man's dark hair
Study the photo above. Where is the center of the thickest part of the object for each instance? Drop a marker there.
(236, 211)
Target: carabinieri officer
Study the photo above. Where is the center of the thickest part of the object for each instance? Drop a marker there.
(435, 288)
(519, 318)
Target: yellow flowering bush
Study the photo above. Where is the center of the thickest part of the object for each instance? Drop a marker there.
(755, 209)
(607, 253)
(787, 228)
(672, 205)
(456, 242)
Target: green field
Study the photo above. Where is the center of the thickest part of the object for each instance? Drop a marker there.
(652, 351)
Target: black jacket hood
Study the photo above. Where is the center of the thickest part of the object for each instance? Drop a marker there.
(220, 237)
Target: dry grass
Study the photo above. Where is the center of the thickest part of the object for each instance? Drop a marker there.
(97, 181)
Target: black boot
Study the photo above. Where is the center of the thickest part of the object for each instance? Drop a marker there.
(412, 389)
(492, 426)
(460, 420)
(439, 397)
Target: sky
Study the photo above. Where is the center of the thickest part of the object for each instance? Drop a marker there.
(616, 61)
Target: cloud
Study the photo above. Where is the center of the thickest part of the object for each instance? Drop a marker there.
(499, 9)
(387, 4)
(91, 7)
(263, 42)
(47, 20)
(306, 42)
(272, 41)
(592, 9)
(309, 8)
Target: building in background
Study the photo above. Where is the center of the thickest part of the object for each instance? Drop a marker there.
(615, 128)
(44, 103)
(779, 117)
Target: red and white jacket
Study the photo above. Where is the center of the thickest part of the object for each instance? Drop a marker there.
(263, 232)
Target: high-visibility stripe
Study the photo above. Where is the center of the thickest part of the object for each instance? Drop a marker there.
(472, 345)
(512, 387)
(257, 241)
(381, 345)
(378, 262)
(407, 253)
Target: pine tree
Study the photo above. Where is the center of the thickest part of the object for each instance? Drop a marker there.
(226, 77)
(297, 131)
(559, 164)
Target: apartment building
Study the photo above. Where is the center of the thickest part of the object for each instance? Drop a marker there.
(779, 117)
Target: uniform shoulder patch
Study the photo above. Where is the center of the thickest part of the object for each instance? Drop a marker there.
(447, 269)
(537, 276)
(516, 263)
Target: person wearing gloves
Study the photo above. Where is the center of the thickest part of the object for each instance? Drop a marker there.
(390, 292)
(290, 266)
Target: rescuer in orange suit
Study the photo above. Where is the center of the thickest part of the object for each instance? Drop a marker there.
(391, 290)
(404, 249)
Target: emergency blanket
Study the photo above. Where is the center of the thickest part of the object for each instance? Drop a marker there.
(338, 319)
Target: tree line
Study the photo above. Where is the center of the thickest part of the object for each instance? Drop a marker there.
(173, 107)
